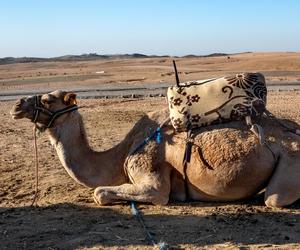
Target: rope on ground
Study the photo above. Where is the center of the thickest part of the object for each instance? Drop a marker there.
(150, 236)
(34, 201)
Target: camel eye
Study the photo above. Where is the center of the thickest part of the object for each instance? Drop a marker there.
(46, 101)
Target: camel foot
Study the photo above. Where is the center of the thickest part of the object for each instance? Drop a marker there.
(100, 197)
(276, 201)
(273, 203)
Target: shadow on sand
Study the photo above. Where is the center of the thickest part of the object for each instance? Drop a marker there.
(69, 226)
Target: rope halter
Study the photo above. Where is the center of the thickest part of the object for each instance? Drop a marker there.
(53, 115)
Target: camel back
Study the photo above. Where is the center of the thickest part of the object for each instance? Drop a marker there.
(200, 103)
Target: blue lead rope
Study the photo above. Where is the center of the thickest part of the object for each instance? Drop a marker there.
(156, 135)
(150, 235)
(134, 210)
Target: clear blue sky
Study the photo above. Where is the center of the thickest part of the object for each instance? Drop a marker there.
(48, 28)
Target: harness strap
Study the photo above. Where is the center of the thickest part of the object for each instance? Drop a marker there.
(186, 161)
(259, 133)
(52, 114)
(60, 112)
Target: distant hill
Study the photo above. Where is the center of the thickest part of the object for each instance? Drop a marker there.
(83, 57)
(90, 56)
(210, 55)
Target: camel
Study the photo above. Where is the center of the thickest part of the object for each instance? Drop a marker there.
(227, 162)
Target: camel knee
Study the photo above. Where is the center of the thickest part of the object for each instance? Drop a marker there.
(101, 197)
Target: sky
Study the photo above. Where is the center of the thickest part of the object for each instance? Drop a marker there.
(48, 28)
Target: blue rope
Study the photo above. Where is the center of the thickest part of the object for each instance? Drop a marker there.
(156, 135)
(150, 235)
(134, 210)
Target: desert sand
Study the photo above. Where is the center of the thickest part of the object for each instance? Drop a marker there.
(23, 76)
(66, 216)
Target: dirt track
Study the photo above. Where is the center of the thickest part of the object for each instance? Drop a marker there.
(67, 218)
(128, 90)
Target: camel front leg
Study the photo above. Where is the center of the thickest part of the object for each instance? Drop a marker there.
(284, 186)
(149, 177)
(158, 195)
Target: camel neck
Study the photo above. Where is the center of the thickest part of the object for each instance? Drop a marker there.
(82, 163)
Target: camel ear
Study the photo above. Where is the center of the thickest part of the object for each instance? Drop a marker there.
(70, 99)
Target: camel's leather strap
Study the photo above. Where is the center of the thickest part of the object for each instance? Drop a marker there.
(53, 115)
(186, 161)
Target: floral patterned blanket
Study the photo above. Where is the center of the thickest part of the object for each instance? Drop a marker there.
(200, 103)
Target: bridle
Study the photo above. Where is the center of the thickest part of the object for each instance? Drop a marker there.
(53, 115)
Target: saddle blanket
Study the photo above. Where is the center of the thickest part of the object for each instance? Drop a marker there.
(200, 103)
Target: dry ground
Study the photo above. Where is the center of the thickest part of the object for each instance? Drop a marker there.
(53, 75)
(67, 218)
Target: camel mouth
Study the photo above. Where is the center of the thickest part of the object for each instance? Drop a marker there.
(21, 109)
(17, 113)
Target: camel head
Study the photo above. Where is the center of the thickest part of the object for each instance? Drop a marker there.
(45, 110)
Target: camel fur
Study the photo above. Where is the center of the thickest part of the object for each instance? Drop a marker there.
(227, 162)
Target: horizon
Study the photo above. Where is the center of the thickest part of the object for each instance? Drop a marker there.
(58, 28)
(148, 55)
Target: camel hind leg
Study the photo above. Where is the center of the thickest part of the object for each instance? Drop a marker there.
(284, 187)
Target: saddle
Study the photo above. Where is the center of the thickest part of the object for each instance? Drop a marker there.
(200, 103)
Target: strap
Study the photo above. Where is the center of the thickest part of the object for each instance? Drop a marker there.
(60, 112)
(257, 130)
(52, 114)
(188, 147)
(259, 133)
(186, 161)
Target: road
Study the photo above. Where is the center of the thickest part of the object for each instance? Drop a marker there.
(128, 90)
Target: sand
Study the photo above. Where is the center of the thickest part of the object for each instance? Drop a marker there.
(67, 217)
